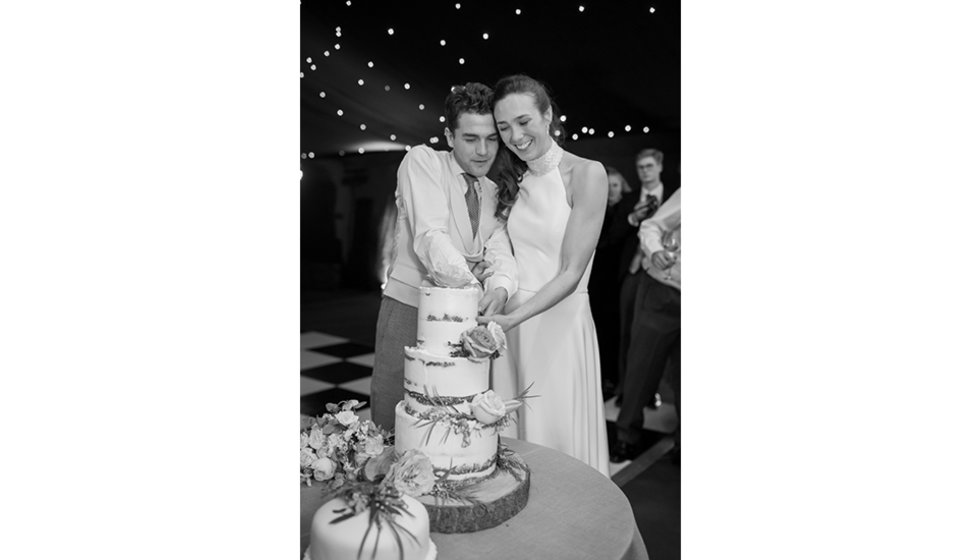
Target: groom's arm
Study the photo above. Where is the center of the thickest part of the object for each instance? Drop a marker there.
(500, 258)
(502, 267)
(427, 210)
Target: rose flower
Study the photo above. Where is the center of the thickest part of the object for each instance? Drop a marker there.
(487, 407)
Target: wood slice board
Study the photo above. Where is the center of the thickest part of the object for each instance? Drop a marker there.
(499, 497)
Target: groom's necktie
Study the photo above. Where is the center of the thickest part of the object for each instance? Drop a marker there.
(473, 201)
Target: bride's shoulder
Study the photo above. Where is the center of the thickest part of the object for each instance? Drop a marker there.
(579, 168)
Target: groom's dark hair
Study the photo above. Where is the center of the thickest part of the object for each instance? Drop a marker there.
(473, 97)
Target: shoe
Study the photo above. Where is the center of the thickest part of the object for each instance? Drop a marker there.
(623, 451)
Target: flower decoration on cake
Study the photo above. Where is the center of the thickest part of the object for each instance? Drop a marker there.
(486, 410)
(481, 342)
(488, 407)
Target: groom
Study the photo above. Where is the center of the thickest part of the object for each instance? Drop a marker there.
(446, 235)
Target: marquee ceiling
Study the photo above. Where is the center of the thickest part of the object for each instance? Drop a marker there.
(611, 65)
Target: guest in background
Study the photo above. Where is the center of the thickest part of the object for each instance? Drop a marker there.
(649, 165)
(554, 202)
(607, 276)
(446, 234)
(655, 334)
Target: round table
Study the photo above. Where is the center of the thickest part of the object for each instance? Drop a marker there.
(573, 512)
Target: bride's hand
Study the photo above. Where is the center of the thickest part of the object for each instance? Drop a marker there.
(505, 321)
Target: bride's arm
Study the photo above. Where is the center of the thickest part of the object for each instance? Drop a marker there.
(589, 190)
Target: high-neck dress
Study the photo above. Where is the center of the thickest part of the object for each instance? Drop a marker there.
(556, 350)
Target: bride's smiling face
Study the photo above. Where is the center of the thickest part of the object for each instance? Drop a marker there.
(523, 128)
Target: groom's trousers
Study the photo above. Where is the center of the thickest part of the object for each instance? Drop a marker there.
(397, 328)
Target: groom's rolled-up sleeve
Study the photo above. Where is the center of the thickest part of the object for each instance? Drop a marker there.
(427, 211)
(503, 266)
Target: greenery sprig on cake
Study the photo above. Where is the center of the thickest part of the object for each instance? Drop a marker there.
(486, 410)
(445, 317)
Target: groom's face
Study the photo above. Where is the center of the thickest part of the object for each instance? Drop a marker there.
(474, 143)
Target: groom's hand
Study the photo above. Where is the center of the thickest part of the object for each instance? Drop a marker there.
(492, 302)
(481, 270)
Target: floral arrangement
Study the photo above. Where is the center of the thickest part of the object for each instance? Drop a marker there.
(480, 343)
(338, 444)
(357, 462)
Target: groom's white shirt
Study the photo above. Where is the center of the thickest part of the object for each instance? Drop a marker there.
(433, 234)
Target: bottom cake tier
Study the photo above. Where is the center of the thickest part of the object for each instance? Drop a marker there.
(465, 449)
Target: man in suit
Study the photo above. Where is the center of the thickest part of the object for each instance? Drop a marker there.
(652, 192)
(446, 234)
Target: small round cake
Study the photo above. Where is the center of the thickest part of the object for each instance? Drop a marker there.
(342, 541)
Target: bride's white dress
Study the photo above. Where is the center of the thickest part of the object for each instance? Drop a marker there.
(556, 350)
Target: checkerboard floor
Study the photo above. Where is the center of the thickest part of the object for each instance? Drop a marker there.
(334, 368)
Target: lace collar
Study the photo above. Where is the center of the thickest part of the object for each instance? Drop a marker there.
(548, 161)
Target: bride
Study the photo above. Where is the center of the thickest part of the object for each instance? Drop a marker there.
(554, 203)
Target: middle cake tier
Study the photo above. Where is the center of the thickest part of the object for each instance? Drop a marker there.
(435, 380)
(463, 448)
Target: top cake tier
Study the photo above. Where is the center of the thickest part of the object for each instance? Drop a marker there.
(444, 313)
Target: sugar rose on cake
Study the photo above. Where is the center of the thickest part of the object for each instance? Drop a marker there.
(487, 407)
(483, 341)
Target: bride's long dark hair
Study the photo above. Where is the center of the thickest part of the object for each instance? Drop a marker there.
(508, 169)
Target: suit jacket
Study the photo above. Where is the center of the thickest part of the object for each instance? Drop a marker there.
(434, 241)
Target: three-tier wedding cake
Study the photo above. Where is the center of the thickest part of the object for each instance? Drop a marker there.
(450, 414)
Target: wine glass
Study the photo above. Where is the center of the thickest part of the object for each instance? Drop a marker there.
(671, 242)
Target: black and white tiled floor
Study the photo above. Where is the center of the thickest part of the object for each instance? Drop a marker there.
(333, 368)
